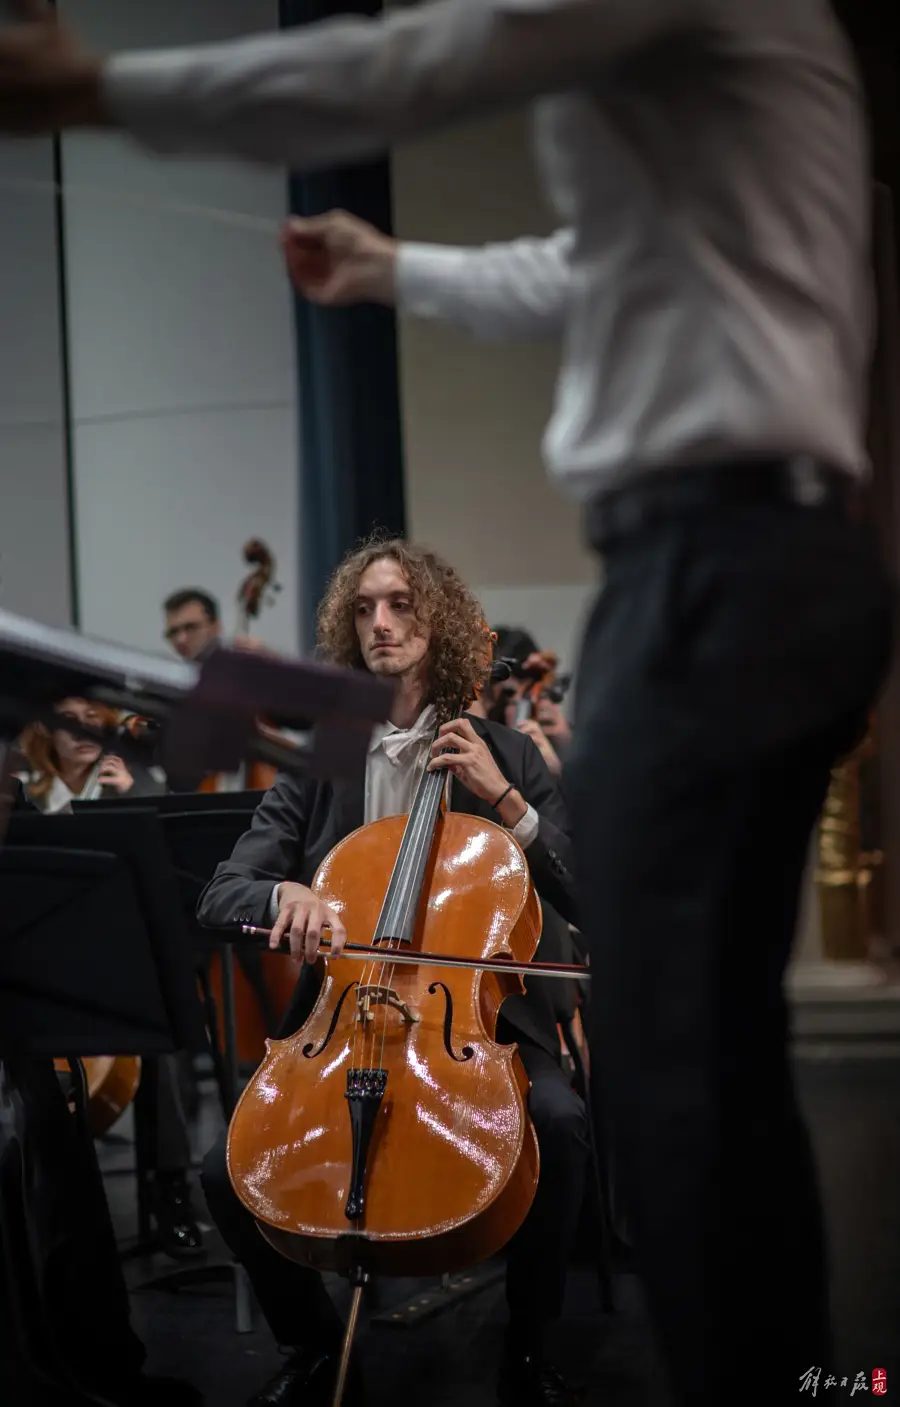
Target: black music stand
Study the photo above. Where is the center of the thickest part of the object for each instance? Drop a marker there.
(69, 983)
(101, 877)
(200, 830)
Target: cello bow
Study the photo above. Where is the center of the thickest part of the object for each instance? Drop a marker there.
(363, 952)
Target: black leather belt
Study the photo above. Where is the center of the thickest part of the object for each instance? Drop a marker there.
(672, 493)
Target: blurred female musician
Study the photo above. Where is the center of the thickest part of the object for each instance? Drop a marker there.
(63, 767)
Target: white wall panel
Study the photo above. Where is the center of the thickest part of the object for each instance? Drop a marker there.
(182, 356)
(34, 534)
(34, 541)
(171, 310)
(169, 501)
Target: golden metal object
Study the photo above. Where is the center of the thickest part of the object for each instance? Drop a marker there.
(848, 880)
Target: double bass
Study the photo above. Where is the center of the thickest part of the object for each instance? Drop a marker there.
(256, 588)
(263, 982)
(391, 1134)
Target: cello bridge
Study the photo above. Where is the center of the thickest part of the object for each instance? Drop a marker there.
(374, 995)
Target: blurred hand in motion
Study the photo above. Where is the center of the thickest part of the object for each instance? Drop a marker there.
(48, 81)
(337, 259)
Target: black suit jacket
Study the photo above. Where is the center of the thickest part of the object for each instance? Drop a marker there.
(299, 821)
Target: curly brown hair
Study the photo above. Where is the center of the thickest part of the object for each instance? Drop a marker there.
(461, 641)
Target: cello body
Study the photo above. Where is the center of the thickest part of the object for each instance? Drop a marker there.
(263, 986)
(391, 1133)
(112, 1083)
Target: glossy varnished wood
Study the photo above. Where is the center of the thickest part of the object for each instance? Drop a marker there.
(112, 1083)
(453, 1163)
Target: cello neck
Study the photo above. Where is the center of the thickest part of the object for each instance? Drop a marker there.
(397, 920)
(524, 710)
(93, 786)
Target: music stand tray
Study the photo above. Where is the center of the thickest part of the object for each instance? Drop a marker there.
(72, 891)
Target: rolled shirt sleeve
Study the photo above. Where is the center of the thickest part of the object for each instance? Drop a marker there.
(519, 289)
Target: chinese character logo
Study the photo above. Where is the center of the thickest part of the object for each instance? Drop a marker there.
(809, 1382)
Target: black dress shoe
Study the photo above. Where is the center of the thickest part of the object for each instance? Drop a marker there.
(173, 1215)
(529, 1381)
(307, 1380)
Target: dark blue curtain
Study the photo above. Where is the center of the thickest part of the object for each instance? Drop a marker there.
(351, 442)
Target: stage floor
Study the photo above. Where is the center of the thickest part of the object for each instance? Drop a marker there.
(450, 1360)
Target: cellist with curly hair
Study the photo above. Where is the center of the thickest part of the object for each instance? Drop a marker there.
(402, 613)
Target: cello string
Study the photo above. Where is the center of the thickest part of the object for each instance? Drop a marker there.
(385, 978)
(387, 969)
(100, 194)
(358, 1046)
(393, 968)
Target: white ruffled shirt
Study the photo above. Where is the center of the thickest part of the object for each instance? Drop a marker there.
(394, 767)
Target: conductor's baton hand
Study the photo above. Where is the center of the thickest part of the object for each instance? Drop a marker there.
(337, 259)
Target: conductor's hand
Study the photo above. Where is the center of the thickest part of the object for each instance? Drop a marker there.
(47, 80)
(302, 916)
(337, 259)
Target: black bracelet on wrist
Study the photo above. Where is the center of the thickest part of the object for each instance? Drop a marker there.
(502, 797)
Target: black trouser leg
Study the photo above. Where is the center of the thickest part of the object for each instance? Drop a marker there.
(173, 1151)
(293, 1299)
(726, 662)
(538, 1255)
(64, 1234)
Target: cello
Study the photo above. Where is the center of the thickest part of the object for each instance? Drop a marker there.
(391, 1134)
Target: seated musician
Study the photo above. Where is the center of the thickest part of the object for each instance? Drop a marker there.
(62, 767)
(549, 727)
(193, 625)
(400, 612)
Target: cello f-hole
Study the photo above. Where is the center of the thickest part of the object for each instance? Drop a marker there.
(467, 1051)
(310, 1051)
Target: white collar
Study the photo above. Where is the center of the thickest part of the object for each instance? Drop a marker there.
(403, 738)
